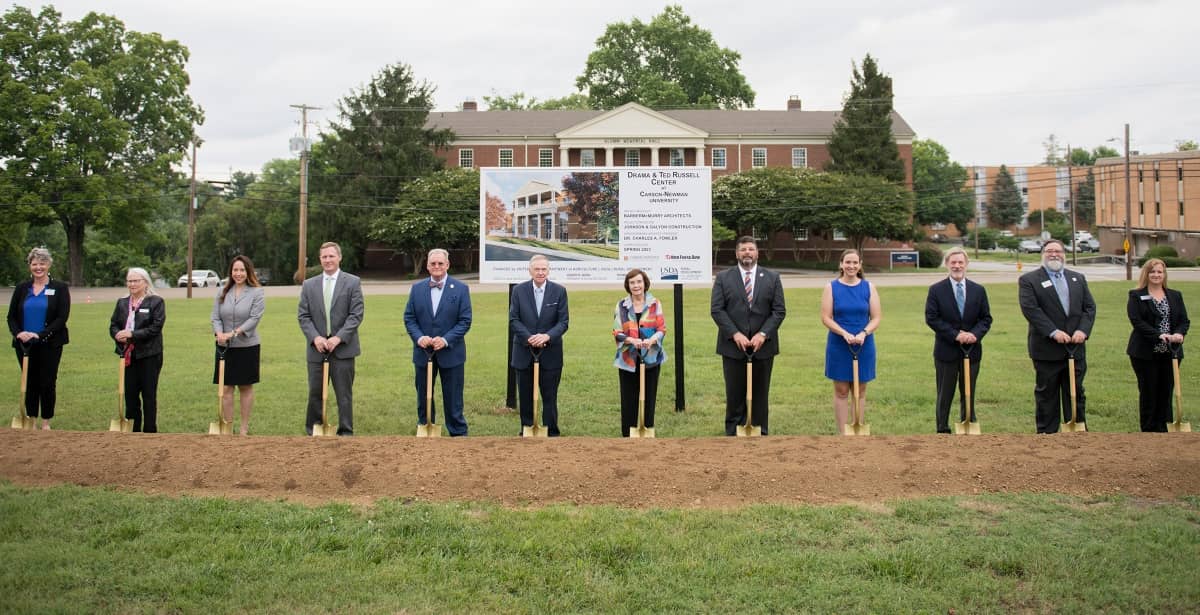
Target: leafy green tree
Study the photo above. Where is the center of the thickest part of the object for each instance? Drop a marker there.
(862, 142)
(940, 187)
(668, 62)
(1005, 206)
(1053, 151)
(593, 198)
(361, 165)
(1081, 157)
(440, 210)
(763, 200)
(864, 207)
(1085, 200)
(518, 102)
(92, 118)
(720, 234)
(1186, 145)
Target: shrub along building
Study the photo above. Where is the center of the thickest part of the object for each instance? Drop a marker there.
(633, 135)
(1164, 202)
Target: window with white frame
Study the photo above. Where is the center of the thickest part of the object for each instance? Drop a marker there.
(838, 235)
(466, 158)
(633, 157)
(759, 236)
(799, 157)
(506, 157)
(758, 157)
(676, 156)
(545, 157)
(718, 158)
(587, 157)
(800, 234)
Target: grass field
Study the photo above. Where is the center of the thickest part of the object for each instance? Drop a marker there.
(72, 549)
(900, 400)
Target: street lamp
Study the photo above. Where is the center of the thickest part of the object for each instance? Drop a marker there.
(1128, 208)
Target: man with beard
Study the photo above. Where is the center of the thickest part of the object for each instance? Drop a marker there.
(1060, 311)
(747, 305)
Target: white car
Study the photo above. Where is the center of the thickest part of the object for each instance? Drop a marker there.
(1030, 246)
(201, 277)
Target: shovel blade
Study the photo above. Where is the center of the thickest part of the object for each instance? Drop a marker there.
(18, 422)
(320, 431)
(214, 428)
(534, 431)
(1074, 426)
(121, 425)
(429, 430)
(749, 431)
(966, 428)
(858, 429)
(641, 432)
(1180, 427)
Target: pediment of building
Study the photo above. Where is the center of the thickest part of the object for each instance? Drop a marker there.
(631, 120)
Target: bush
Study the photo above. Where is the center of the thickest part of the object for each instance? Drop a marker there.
(1160, 251)
(1012, 244)
(987, 238)
(929, 255)
(1170, 261)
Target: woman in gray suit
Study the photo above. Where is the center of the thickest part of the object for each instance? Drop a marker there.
(235, 315)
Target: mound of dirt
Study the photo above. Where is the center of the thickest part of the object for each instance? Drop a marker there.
(668, 472)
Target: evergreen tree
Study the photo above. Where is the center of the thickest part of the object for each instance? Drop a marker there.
(1005, 206)
(862, 141)
(1085, 198)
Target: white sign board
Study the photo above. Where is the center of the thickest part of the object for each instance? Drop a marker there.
(595, 224)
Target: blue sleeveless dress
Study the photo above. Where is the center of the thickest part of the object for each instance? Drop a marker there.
(851, 311)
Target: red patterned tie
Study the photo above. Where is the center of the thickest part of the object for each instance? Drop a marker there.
(749, 289)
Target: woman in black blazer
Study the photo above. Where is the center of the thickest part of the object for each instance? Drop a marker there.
(37, 319)
(1159, 321)
(136, 326)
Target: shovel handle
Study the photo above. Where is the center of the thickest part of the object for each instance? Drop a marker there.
(749, 391)
(429, 388)
(854, 387)
(1178, 391)
(967, 387)
(324, 388)
(1071, 377)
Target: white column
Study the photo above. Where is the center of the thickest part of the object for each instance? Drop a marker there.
(608, 157)
(700, 155)
(564, 154)
(653, 155)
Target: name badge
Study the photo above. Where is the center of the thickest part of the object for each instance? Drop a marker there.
(1074, 279)
(1047, 284)
(49, 291)
(143, 310)
(1145, 297)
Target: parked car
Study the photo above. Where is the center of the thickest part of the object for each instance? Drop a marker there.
(1030, 246)
(1087, 245)
(201, 277)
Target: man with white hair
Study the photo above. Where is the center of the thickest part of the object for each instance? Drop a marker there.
(1059, 308)
(958, 312)
(437, 318)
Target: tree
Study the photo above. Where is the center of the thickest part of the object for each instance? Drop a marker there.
(92, 118)
(362, 164)
(940, 187)
(1005, 206)
(1085, 200)
(862, 142)
(440, 210)
(1083, 158)
(763, 201)
(592, 197)
(1053, 157)
(1186, 145)
(261, 224)
(495, 213)
(864, 207)
(668, 62)
(518, 102)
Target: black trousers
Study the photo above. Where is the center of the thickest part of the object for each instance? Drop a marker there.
(41, 391)
(735, 393)
(629, 397)
(1052, 393)
(141, 392)
(548, 392)
(949, 378)
(1156, 385)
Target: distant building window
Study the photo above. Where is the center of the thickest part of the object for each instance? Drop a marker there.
(506, 157)
(466, 158)
(799, 157)
(758, 157)
(759, 236)
(633, 157)
(676, 156)
(545, 157)
(587, 157)
(838, 235)
(800, 234)
(718, 158)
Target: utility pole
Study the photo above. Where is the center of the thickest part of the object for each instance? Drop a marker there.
(191, 222)
(1071, 203)
(1128, 214)
(302, 261)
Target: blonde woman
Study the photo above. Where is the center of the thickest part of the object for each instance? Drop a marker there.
(37, 319)
(136, 326)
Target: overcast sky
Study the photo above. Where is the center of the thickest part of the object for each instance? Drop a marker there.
(990, 81)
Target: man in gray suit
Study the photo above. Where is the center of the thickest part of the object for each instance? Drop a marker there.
(747, 305)
(331, 309)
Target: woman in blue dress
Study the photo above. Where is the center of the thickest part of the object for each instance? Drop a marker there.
(851, 311)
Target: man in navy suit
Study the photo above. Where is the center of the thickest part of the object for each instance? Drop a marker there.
(1059, 308)
(958, 312)
(537, 313)
(747, 306)
(437, 317)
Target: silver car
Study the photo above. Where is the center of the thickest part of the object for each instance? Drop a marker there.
(201, 277)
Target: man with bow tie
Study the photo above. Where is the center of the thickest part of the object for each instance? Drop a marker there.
(437, 317)
(1059, 308)
(958, 312)
(747, 306)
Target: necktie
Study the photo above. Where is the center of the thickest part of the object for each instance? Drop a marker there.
(1060, 285)
(749, 288)
(537, 296)
(960, 297)
(328, 303)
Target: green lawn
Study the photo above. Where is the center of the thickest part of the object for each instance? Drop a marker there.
(900, 400)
